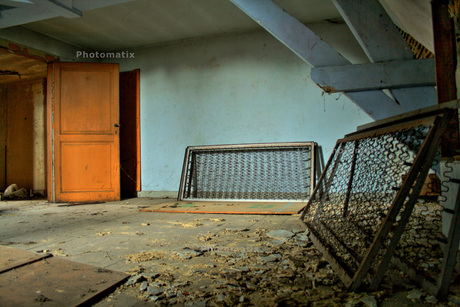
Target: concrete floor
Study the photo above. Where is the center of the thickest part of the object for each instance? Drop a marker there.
(104, 235)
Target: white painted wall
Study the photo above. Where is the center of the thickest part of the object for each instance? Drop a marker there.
(245, 88)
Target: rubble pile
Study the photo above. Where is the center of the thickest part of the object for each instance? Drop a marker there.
(238, 266)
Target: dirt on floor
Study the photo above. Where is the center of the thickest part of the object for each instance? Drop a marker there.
(243, 267)
(177, 259)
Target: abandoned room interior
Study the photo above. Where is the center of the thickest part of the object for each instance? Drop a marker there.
(229, 153)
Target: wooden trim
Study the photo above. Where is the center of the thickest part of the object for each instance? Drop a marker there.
(428, 111)
(138, 128)
(446, 65)
(50, 93)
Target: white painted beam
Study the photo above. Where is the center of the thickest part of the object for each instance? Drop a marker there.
(16, 3)
(86, 5)
(312, 49)
(374, 30)
(376, 76)
(381, 41)
(291, 32)
(60, 8)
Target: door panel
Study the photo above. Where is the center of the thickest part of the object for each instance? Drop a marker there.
(94, 102)
(83, 140)
(88, 162)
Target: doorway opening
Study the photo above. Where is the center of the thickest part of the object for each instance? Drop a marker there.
(22, 122)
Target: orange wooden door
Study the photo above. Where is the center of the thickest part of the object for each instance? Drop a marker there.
(83, 126)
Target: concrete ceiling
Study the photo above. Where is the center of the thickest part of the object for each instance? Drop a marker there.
(153, 22)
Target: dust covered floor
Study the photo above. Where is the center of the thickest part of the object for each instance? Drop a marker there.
(179, 259)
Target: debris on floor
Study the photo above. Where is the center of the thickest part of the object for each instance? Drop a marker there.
(191, 224)
(240, 260)
(13, 192)
(275, 268)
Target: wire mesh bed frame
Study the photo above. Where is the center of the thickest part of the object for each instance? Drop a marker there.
(249, 172)
(364, 198)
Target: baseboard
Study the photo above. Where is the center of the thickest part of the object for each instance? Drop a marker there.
(158, 194)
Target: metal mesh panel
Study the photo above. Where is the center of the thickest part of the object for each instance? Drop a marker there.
(365, 196)
(419, 253)
(420, 247)
(249, 172)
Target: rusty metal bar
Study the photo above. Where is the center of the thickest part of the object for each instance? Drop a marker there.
(314, 153)
(350, 181)
(184, 173)
(320, 180)
(191, 192)
(253, 145)
(388, 129)
(334, 168)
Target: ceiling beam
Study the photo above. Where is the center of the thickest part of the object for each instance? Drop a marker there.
(13, 3)
(60, 8)
(23, 15)
(375, 76)
(85, 5)
(292, 33)
(374, 30)
(381, 41)
(35, 10)
(312, 49)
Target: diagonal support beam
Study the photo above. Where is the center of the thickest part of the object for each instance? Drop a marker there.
(60, 8)
(376, 76)
(96, 4)
(15, 3)
(292, 33)
(381, 41)
(313, 50)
